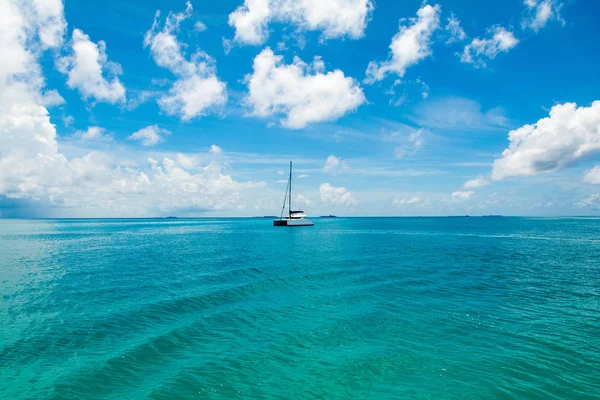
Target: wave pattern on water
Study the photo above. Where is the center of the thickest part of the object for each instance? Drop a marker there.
(361, 308)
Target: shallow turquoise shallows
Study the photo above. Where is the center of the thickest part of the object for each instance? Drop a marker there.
(357, 308)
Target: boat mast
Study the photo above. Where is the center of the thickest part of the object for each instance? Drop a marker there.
(290, 202)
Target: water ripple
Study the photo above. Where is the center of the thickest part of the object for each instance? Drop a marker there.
(423, 308)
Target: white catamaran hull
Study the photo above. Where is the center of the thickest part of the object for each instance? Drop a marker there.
(294, 222)
(300, 222)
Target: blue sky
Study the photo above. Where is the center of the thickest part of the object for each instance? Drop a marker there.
(386, 107)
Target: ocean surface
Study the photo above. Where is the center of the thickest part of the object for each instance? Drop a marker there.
(352, 308)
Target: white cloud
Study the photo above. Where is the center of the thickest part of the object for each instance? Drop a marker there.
(415, 142)
(456, 113)
(339, 196)
(592, 202)
(400, 152)
(401, 90)
(416, 138)
(136, 98)
(331, 164)
(539, 13)
(462, 196)
(198, 90)
(592, 175)
(303, 201)
(187, 161)
(52, 98)
(409, 46)
(200, 26)
(33, 169)
(477, 182)
(193, 96)
(150, 135)
(303, 93)
(569, 134)
(50, 20)
(93, 133)
(334, 18)
(406, 201)
(86, 68)
(500, 40)
(27, 138)
(302, 176)
(457, 33)
(216, 149)
(68, 120)
(424, 88)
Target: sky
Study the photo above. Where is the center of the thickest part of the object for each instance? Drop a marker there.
(409, 108)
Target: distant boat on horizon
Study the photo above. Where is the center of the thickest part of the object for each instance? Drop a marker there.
(328, 216)
(294, 218)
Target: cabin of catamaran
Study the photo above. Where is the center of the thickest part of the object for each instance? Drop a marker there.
(294, 218)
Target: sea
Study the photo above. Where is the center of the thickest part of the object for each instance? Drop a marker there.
(351, 308)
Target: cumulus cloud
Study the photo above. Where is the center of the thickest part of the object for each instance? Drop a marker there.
(331, 164)
(302, 93)
(462, 195)
(93, 133)
(26, 29)
(52, 98)
(455, 30)
(334, 18)
(592, 176)
(500, 40)
(339, 196)
(27, 138)
(302, 176)
(187, 161)
(198, 90)
(89, 71)
(48, 16)
(477, 182)
(150, 135)
(539, 13)
(568, 135)
(409, 46)
(33, 169)
(216, 149)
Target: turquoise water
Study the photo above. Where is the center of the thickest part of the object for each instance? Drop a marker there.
(361, 308)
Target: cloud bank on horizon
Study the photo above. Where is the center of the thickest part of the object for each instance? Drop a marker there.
(411, 109)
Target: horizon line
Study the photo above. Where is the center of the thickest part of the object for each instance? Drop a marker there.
(320, 216)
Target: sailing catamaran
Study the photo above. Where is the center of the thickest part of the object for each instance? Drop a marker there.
(294, 218)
